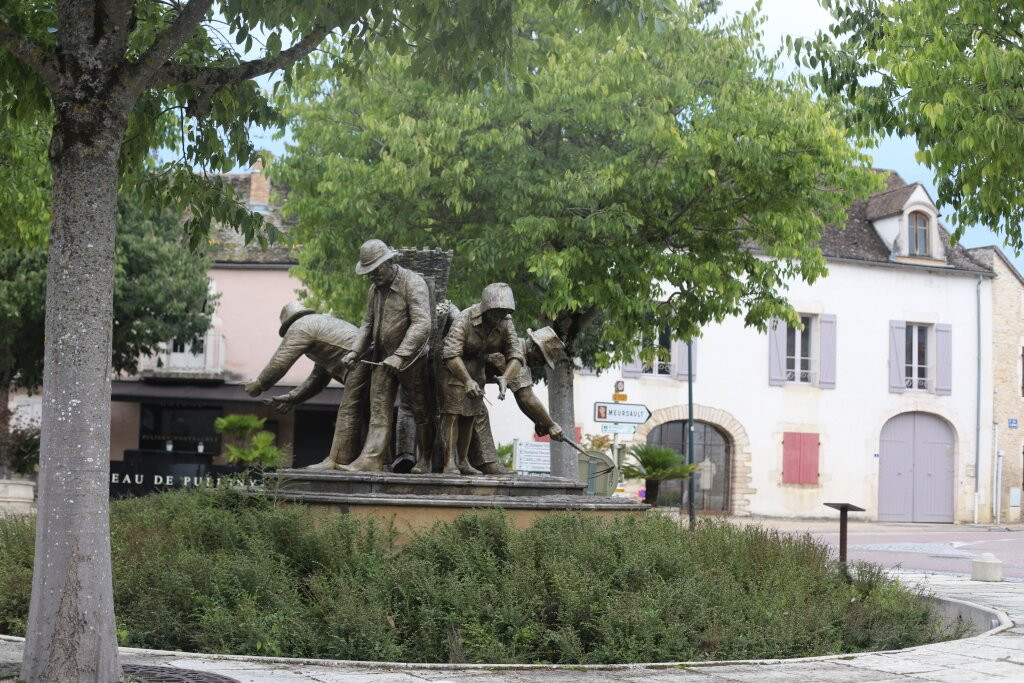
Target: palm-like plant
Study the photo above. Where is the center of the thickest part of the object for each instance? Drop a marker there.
(655, 464)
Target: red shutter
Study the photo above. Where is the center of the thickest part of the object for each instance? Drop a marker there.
(809, 459)
(791, 448)
(799, 458)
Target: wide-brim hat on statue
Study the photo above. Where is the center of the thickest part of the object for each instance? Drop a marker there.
(291, 312)
(372, 254)
(548, 343)
(497, 295)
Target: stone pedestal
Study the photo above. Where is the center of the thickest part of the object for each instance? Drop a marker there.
(416, 501)
(17, 496)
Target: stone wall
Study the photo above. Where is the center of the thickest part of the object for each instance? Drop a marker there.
(1008, 380)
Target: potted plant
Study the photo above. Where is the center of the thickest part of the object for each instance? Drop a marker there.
(19, 458)
(655, 464)
(247, 443)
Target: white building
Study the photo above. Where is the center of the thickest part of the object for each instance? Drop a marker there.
(884, 399)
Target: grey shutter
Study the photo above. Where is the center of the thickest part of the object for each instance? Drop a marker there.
(943, 360)
(897, 356)
(585, 370)
(632, 369)
(680, 361)
(827, 352)
(776, 352)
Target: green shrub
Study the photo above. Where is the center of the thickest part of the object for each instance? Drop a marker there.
(220, 571)
(246, 442)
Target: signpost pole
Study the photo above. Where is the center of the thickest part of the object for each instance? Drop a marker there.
(691, 456)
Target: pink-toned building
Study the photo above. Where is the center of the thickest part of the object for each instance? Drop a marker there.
(178, 394)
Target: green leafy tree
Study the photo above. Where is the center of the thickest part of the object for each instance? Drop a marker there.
(627, 181)
(949, 74)
(655, 464)
(116, 79)
(160, 293)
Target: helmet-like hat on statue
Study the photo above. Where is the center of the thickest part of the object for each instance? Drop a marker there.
(291, 312)
(548, 343)
(372, 254)
(497, 295)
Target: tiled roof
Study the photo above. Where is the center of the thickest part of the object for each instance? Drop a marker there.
(859, 241)
(227, 246)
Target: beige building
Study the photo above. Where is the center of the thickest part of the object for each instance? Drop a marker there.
(1008, 383)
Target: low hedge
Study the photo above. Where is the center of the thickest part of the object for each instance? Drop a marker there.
(218, 571)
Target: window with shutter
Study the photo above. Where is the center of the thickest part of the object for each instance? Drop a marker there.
(800, 457)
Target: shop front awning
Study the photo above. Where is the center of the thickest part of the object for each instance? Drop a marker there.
(146, 392)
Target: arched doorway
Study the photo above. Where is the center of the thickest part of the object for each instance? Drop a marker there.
(713, 451)
(915, 469)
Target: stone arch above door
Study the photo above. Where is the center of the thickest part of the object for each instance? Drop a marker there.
(741, 488)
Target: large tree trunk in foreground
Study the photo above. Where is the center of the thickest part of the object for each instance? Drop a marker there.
(71, 631)
(564, 460)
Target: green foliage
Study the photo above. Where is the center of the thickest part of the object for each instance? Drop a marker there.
(19, 450)
(658, 463)
(161, 292)
(629, 170)
(597, 442)
(506, 454)
(218, 571)
(246, 442)
(951, 75)
(205, 116)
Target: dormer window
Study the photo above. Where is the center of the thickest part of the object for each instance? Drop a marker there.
(917, 234)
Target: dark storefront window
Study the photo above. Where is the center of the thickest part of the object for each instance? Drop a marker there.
(185, 426)
(713, 452)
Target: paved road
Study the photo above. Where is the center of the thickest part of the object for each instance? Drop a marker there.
(947, 548)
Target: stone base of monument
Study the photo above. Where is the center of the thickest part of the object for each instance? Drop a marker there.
(416, 501)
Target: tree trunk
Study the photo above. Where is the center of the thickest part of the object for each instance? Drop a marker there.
(71, 633)
(564, 460)
(651, 488)
(5, 422)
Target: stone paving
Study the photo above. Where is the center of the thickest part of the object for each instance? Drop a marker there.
(997, 655)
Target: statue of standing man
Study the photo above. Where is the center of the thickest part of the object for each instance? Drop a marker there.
(394, 339)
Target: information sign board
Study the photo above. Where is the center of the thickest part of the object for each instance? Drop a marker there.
(532, 456)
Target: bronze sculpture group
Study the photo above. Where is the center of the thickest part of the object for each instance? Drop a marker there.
(389, 361)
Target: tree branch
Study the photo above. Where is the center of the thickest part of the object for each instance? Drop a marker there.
(216, 77)
(167, 43)
(38, 59)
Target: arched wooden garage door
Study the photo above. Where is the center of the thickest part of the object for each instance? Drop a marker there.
(915, 469)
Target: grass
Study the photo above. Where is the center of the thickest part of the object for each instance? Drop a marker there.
(216, 571)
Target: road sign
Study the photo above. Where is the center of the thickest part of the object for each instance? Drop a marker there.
(624, 413)
(620, 398)
(613, 428)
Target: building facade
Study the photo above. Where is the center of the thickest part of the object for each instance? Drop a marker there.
(882, 399)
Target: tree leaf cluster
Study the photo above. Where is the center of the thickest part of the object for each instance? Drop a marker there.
(661, 177)
(161, 292)
(950, 74)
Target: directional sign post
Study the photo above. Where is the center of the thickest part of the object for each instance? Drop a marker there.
(622, 413)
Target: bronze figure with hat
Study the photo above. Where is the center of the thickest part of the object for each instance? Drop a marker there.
(395, 334)
(326, 340)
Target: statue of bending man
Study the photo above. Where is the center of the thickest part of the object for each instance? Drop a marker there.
(326, 341)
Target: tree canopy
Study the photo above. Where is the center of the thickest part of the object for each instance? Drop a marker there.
(663, 177)
(950, 74)
(161, 292)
